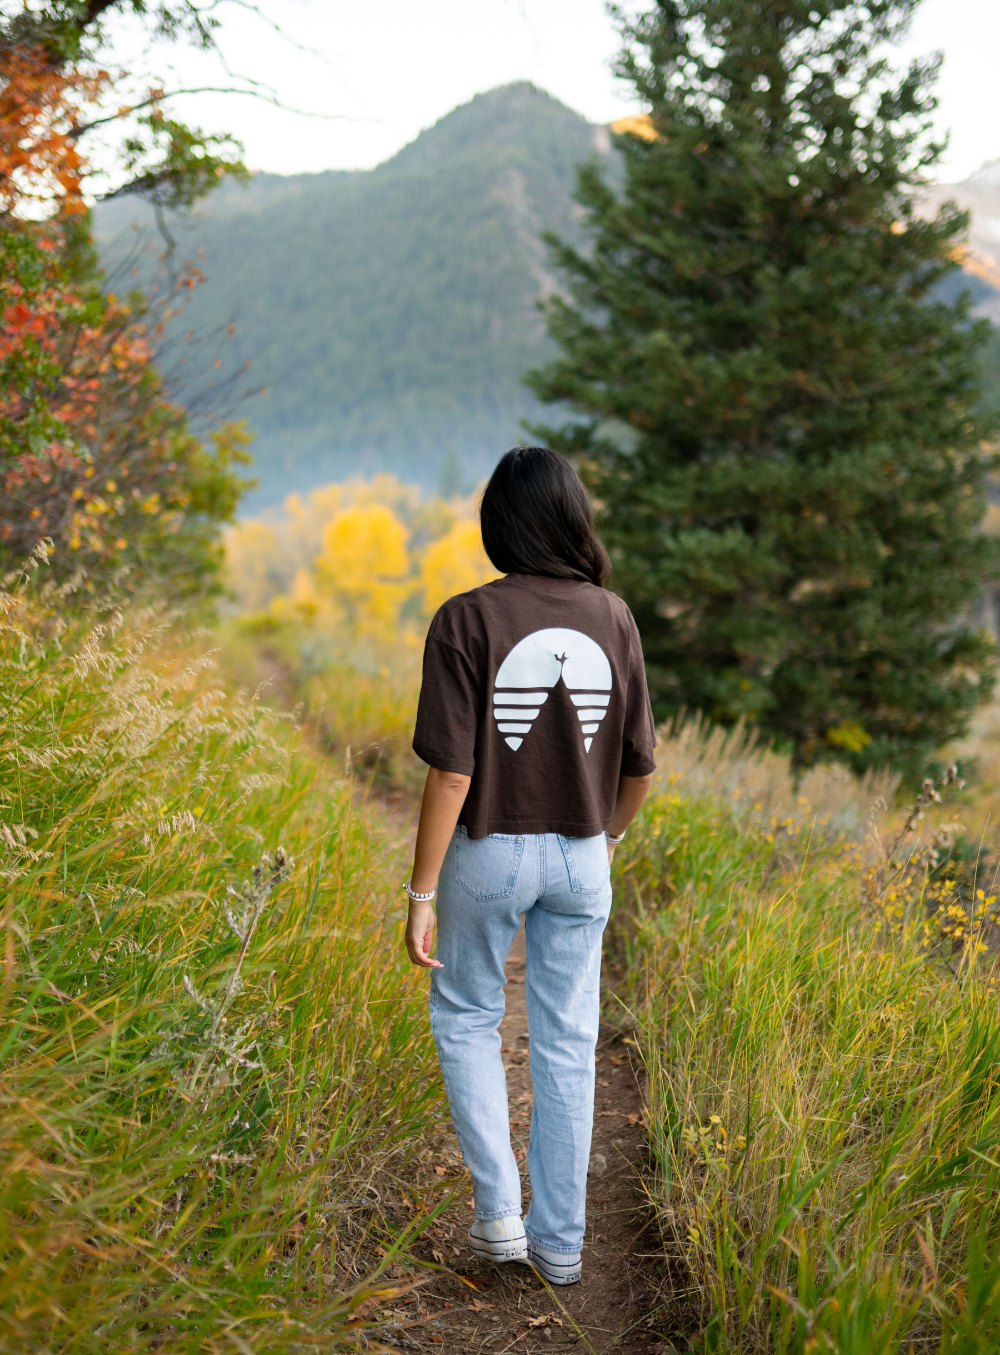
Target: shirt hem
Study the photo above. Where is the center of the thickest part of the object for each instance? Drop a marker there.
(533, 828)
(638, 766)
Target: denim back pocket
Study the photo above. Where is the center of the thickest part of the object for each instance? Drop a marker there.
(487, 866)
(586, 863)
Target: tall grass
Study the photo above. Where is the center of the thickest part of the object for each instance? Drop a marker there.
(199, 1116)
(356, 699)
(822, 1054)
(215, 1068)
(734, 767)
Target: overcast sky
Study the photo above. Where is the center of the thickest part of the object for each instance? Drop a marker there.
(383, 72)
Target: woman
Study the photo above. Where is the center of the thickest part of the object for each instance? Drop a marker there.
(535, 722)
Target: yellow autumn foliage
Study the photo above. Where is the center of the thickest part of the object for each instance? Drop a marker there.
(303, 602)
(453, 564)
(365, 560)
(263, 557)
(306, 516)
(640, 125)
(364, 565)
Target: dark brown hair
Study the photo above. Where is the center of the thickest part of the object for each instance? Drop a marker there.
(537, 519)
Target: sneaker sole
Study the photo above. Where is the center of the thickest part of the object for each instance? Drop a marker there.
(571, 1274)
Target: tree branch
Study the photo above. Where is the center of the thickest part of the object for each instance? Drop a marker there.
(207, 89)
(95, 9)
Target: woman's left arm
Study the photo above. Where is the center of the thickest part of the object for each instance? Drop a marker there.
(444, 796)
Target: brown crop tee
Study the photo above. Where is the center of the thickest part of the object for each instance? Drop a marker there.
(535, 688)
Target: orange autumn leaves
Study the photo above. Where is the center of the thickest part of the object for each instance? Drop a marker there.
(40, 115)
(91, 453)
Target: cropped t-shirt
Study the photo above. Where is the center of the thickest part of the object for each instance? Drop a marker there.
(535, 688)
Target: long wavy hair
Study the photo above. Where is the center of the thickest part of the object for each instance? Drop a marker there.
(537, 518)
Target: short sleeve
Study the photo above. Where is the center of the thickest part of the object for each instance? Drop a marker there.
(639, 732)
(448, 711)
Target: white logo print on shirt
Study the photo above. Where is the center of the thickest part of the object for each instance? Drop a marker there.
(539, 661)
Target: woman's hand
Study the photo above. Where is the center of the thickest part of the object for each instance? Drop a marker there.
(419, 934)
(444, 795)
(611, 851)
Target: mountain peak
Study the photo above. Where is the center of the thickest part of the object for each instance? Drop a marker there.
(985, 179)
(391, 312)
(519, 114)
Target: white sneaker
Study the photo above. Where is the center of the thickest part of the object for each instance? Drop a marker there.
(558, 1267)
(499, 1239)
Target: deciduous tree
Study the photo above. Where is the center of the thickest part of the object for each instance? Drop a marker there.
(93, 453)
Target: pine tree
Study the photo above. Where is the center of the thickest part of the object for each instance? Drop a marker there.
(777, 418)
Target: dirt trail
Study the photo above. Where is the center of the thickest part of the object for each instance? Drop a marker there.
(508, 1310)
(621, 1278)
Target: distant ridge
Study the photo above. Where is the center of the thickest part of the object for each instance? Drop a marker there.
(979, 195)
(986, 178)
(390, 312)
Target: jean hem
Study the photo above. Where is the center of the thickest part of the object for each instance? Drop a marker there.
(559, 1247)
(500, 1214)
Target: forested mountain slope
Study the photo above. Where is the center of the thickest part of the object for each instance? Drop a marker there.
(391, 313)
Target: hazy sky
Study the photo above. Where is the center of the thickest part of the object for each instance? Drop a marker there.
(386, 71)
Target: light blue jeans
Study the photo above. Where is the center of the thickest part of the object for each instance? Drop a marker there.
(563, 887)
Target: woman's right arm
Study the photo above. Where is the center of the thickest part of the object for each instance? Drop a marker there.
(444, 796)
(632, 790)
